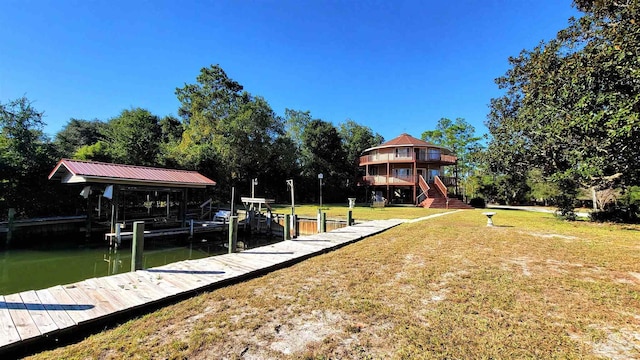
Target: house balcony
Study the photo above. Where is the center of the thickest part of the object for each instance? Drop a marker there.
(392, 158)
(377, 180)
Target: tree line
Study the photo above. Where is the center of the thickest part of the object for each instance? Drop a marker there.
(222, 131)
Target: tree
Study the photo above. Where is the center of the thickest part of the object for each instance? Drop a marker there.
(133, 137)
(26, 158)
(355, 139)
(78, 133)
(572, 104)
(459, 137)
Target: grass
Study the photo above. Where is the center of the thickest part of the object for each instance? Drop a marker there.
(449, 287)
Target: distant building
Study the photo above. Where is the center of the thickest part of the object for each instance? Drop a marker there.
(407, 170)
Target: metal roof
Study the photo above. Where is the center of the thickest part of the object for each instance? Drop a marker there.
(77, 171)
(405, 140)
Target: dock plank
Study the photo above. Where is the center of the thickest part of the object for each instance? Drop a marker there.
(72, 308)
(22, 320)
(129, 290)
(56, 311)
(8, 331)
(38, 313)
(92, 308)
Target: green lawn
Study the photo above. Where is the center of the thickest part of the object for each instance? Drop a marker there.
(448, 287)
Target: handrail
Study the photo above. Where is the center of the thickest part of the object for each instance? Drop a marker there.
(424, 186)
(440, 186)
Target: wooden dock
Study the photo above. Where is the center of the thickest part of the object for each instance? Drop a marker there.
(39, 317)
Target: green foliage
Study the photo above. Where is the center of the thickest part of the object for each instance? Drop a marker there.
(94, 152)
(134, 137)
(78, 133)
(572, 104)
(26, 158)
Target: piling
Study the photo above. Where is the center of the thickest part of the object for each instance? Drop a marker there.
(233, 233)
(323, 223)
(287, 227)
(10, 224)
(137, 246)
(349, 218)
(296, 227)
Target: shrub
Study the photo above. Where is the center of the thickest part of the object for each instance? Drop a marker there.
(478, 202)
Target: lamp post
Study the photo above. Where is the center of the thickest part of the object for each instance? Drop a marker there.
(320, 177)
(254, 182)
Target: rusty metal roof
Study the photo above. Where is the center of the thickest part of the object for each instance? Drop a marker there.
(77, 171)
(406, 140)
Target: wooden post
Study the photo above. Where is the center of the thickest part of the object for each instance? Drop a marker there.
(319, 219)
(287, 227)
(296, 227)
(137, 246)
(191, 228)
(324, 222)
(233, 233)
(10, 224)
(349, 218)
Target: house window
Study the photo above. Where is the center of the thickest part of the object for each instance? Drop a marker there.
(402, 152)
(434, 154)
(402, 173)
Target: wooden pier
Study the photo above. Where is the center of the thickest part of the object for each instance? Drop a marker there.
(39, 317)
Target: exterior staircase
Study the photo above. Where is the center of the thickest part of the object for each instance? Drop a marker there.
(436, 200)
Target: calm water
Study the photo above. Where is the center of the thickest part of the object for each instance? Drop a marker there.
(46, 266)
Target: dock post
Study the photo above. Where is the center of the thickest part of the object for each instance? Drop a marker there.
(287, 227)
(10, 224)
(233, 233)
(324, 222)
(319, 219)
(349, 218)
(137, 246)
(295, 226)
(191, 228)
(118, 230)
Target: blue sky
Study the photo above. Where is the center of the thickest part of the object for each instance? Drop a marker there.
(395, 66)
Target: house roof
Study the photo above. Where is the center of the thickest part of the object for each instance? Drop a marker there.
(405, 140)
(77, 171)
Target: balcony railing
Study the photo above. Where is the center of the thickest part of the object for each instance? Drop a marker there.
(388, 158)
(403, 180)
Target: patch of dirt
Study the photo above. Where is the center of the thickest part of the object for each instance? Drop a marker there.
(619, 344)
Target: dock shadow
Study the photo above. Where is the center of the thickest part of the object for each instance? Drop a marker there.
(267, 252)
(37, 306)
(193, 272)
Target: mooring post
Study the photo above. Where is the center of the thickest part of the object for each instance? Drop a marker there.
(324, 222)
(349, 218)
(287, 227)
(233, 233)
(319, 219)
(10, 224)
(191, 228)
(137, 246)
(296, 227)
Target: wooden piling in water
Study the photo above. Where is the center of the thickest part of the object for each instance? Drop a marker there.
(287, 227)
(10, 224)
(233, 233)
(137, 247)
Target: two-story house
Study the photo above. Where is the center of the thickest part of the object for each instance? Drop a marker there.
(407, 170)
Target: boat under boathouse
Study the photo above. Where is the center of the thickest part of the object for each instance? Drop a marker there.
(121, 194)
